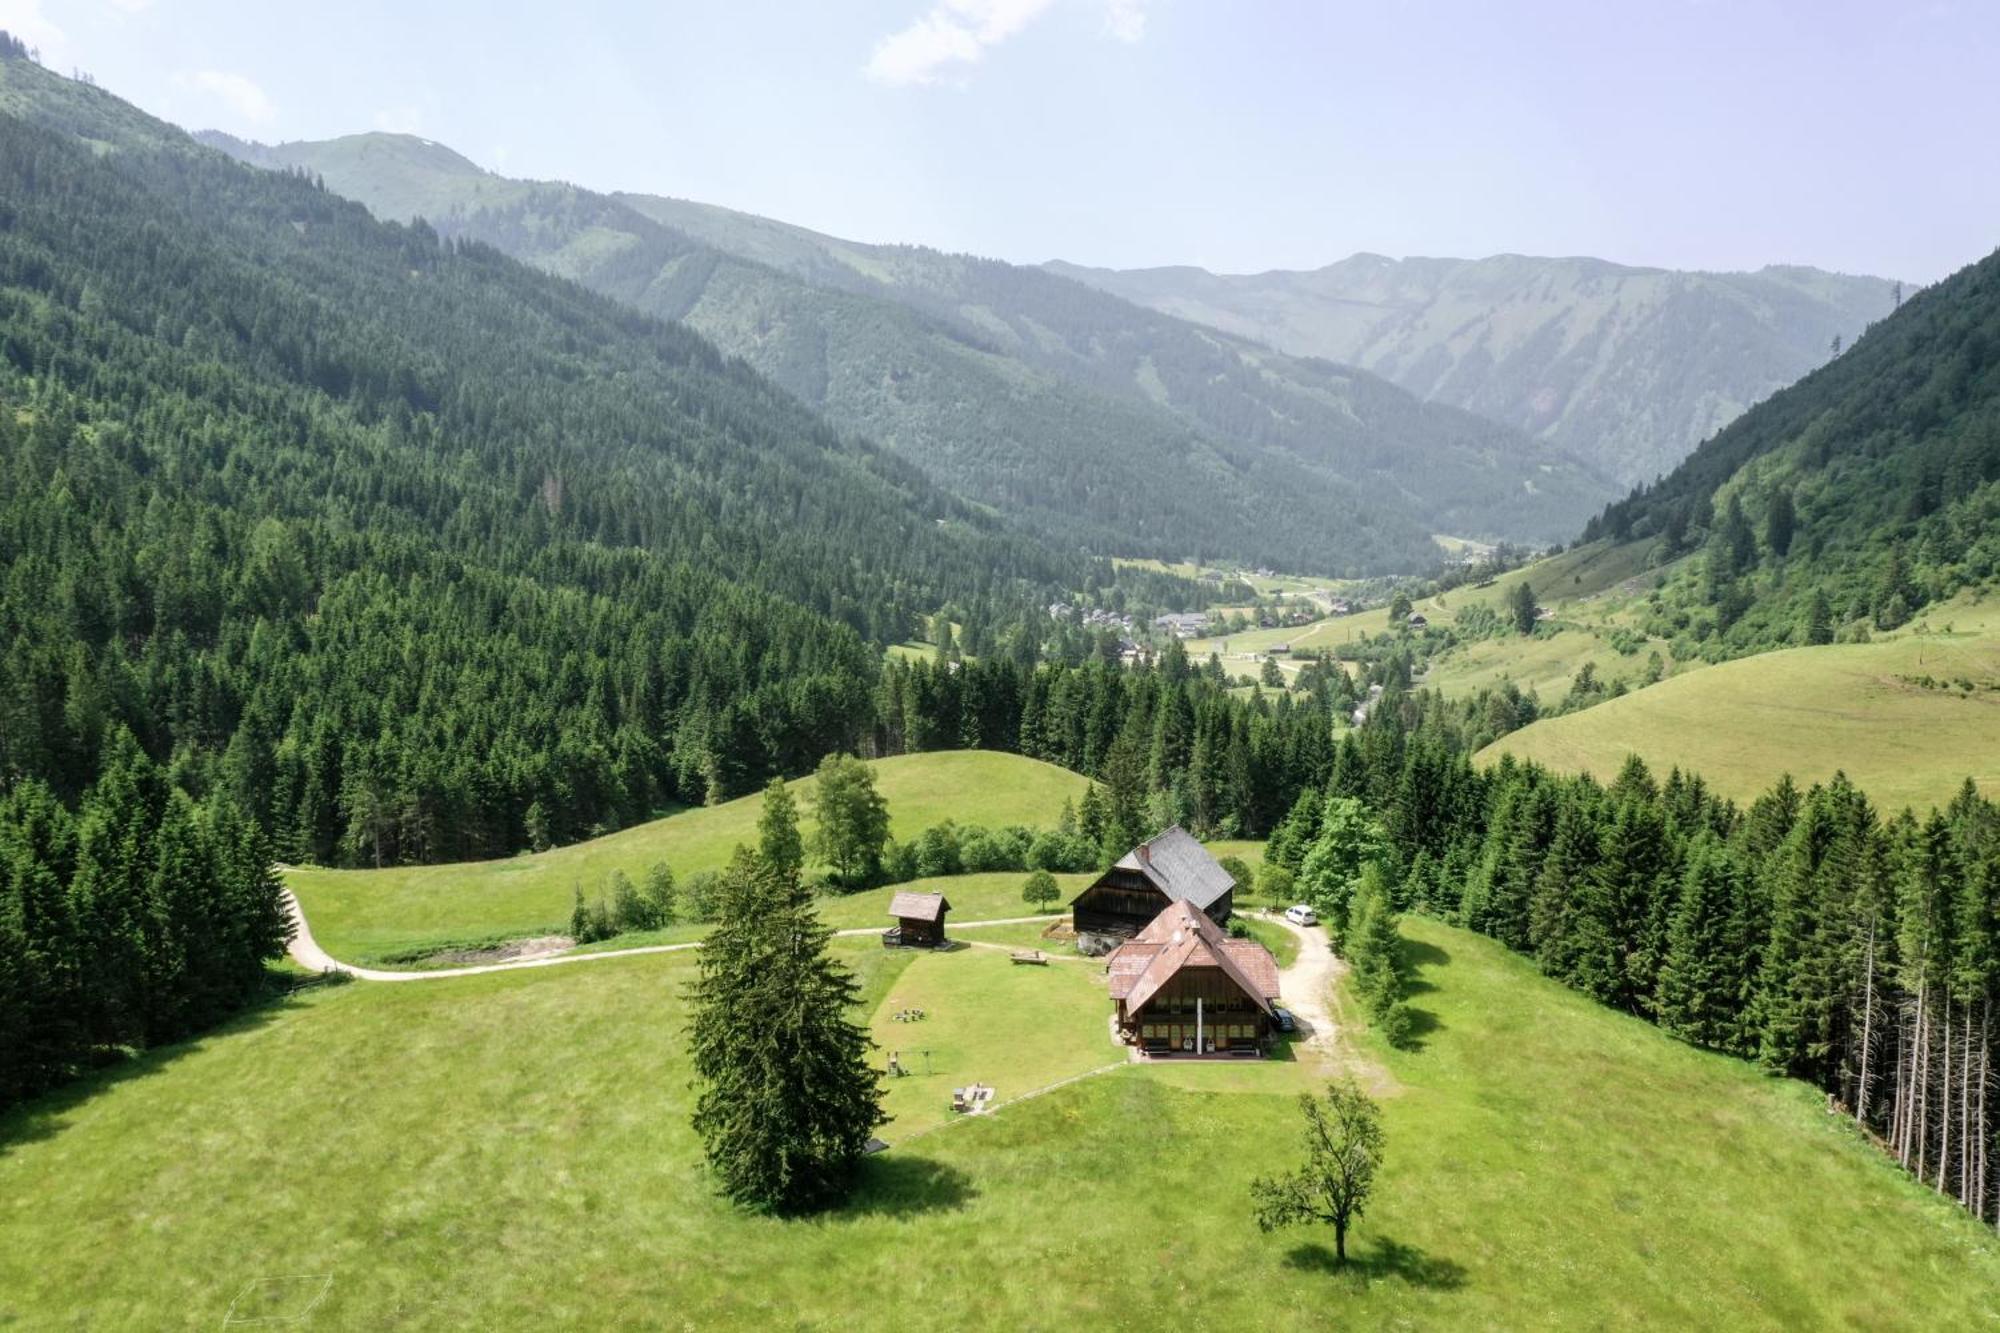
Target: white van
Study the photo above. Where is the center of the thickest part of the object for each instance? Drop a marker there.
(1301, 915)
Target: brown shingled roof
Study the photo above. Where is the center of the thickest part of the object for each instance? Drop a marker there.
(918, 906)
(1183, 936)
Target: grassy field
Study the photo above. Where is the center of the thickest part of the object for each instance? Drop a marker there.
(512, 1151)
(1589, 589)
(1809, 712)
(363, 915)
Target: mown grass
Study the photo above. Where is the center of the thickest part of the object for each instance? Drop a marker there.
(1809, 712)
(987, 1020)
(370, 915)
(511, 1151)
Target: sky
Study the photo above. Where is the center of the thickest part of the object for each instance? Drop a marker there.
(1238, 135)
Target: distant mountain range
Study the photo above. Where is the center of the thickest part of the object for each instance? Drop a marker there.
(1626, 368)
(1096, 420)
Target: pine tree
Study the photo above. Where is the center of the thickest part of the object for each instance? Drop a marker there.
(787, 1100)
(1375, 950)
(1698, 1000)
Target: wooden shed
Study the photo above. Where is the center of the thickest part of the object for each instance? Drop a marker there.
(919, 920)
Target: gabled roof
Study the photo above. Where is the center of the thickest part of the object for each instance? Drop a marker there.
(918, 906)
(1179, 867)
(1182, 936)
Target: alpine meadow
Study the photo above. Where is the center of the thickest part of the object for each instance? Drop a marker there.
(999, 664)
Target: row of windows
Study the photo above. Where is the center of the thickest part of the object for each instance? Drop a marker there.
(1173, 1031)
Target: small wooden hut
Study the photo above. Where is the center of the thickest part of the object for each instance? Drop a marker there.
(919, 920)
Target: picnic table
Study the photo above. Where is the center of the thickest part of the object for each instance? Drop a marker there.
(972, 1099)
(1030, 956)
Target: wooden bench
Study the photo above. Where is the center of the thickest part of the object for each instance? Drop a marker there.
(1035, 956)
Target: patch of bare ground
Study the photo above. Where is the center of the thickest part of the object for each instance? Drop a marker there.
(513, 951)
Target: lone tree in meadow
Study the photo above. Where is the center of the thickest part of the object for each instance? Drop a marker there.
(786, 1100)
(853, 819)
(1343, 1150)
(1040, 889)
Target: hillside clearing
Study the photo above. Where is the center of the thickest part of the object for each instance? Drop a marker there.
(1858, 708)
(402, 911)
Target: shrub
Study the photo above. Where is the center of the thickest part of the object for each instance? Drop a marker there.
(701, 895)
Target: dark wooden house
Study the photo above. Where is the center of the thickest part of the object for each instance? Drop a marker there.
(1184, 987)
(1168, 868)
(919, 920)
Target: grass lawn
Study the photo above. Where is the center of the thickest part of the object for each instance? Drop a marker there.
(367, 915)
(1809, 712)
(992, 1021)
(512, 1151)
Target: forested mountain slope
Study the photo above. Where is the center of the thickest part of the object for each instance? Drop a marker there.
(1100, 422)
(413, 549)
(1627, 368)
(1849, 501)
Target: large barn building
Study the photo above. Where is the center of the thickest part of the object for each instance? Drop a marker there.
(1168, 868)
(1184, 987)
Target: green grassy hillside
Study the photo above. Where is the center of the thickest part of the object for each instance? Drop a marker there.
(513, 1151)
(1594, 591)
(359, 915)
(1860, 708)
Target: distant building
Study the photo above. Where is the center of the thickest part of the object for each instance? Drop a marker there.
(1182, 986)
(1168, 868)
(1417, 621)
(1182, 624)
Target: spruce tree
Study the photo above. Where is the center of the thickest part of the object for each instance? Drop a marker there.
(787, 1100)
(1698, 1000)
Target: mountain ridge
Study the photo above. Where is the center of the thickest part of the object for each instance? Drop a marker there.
(1107, 424)
(1628, 366)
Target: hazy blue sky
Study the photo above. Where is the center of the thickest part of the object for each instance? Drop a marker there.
(1235, 134)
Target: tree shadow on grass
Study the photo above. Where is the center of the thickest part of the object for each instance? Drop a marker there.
(893, 1185)
(1417, 956)
(1380, 1259)
(48, 1114)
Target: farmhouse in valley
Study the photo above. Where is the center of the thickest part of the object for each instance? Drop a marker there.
(1184, 987)
(1168, 868)
(919, 920)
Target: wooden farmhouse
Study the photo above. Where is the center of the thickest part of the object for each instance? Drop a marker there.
(919, 920)
(1169, 868)
(1184, 987)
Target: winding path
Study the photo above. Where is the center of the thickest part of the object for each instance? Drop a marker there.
(305, 951)
(1307, 985)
